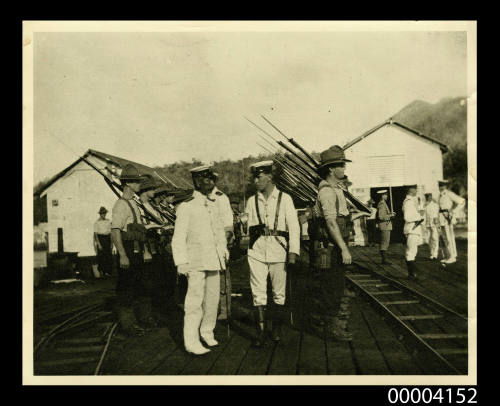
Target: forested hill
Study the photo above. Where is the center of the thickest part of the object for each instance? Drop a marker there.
(445, 120)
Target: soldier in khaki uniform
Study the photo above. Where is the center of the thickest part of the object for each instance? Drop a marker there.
(329, 235)
(128, 235)
(384, 217)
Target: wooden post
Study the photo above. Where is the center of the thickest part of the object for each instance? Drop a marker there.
(390, 196)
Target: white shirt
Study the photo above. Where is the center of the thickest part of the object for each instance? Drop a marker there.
(266, 248)
(102, 226)
(447, 199)
(199, 239)
(431, 213)
(411, 214)
(373, 215)
(224, 207)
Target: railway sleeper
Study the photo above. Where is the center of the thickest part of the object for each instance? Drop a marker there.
(79, 349)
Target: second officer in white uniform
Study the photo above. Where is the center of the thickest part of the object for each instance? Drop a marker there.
(274, 232)
(200, 252)
(412, 229)
(226, 216)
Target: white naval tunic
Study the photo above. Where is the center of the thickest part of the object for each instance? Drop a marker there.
(224, 207)
(431, 224)
(413, 235)
(199, 241)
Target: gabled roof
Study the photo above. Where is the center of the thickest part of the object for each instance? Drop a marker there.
(121, 162)
(444, 148)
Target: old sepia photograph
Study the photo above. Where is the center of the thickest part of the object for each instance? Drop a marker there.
(236, 202)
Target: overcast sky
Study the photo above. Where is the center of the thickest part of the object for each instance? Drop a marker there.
(156, 98)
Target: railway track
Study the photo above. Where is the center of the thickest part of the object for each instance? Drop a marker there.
(436, 335)
(78, 344)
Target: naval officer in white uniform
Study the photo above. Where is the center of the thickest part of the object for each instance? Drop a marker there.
(200, 252)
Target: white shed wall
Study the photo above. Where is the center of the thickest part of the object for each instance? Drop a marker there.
(423, 161)
(80, 193)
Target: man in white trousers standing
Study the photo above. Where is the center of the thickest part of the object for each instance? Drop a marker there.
(226, 216)
(200, 252)
(449, 203)
(412, 229)
(274, 234)
(432, 224)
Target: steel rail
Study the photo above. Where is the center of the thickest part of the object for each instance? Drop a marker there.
(431, 355)
(46, 338)
(105, 350)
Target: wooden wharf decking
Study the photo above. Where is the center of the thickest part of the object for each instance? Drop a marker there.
(376, 348)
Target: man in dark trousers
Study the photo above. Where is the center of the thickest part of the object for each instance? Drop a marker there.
(102, 242)
(128, 235)
(329, 236)
(384, 217)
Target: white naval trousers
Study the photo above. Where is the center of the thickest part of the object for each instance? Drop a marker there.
(433, 236)
(200, 306)
(449, 240)
(258, 281)
(412, 243)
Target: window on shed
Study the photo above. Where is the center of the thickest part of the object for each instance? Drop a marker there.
(386, 170)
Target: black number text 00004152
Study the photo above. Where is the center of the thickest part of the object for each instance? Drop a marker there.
(451, 396)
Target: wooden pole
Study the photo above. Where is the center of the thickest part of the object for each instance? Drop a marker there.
(390, 195)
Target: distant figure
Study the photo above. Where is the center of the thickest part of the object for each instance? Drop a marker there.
(102, 242)
(384, 224)
(371, 224)
(432, 225)
(411, 230)
(449, 203)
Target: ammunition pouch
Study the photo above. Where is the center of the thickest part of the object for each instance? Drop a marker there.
(135, 232)
(254, 232)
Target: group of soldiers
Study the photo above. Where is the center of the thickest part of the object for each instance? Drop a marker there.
(153, 255)
(434, 222)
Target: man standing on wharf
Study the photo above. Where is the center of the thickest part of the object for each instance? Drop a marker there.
(273, 224)
(449, 203)
(329, 235)
(412, 229)
(226, 216)
(128, 235)
(384, 216)
(102, 242)
(200, 252)
(432, 224)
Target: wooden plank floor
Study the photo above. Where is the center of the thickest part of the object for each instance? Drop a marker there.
(375, 348)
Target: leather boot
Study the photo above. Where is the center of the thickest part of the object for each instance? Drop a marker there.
(144, 314)
(260, 322)
(278, 318)
(335, 330)
(127, 321)
(384, 261)
(411, 269)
